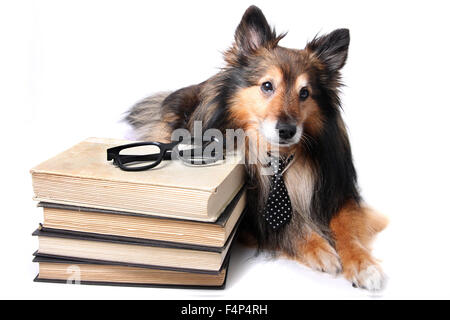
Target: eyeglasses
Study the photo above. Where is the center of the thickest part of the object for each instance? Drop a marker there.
(142, 156)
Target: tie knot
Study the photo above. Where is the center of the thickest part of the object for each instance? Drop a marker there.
(279, 164)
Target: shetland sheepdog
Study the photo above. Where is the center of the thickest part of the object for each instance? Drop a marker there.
(292, 97)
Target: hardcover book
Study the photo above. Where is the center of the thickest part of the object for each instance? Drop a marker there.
(131, 251)
(124, 224)
(81, 176)
(101, 273)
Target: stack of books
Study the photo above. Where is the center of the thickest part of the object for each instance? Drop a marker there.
(169, 226)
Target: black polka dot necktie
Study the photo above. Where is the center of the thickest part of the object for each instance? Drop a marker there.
(278, 209)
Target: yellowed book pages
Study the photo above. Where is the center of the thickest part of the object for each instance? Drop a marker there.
(172, 230)
(82, 176)
(122, 274)
(132, 253)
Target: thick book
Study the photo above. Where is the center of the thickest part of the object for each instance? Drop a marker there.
(125, 224)
(101, 273)
(82, 176)
(131, 251)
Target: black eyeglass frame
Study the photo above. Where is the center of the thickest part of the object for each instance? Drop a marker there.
(165, 153)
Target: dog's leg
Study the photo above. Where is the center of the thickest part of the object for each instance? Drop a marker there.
(315, 252)
(354, 228)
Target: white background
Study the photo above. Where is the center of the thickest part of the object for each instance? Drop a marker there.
(69, 69)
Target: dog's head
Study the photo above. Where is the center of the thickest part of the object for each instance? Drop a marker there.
(282, 93)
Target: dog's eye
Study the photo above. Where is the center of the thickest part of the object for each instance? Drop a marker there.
(304, 93)
(267, 87)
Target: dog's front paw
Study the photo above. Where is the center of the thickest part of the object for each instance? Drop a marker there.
(323, 258)
(365, 275)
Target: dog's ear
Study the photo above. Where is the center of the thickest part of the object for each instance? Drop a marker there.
(331, 49)
(253, 31)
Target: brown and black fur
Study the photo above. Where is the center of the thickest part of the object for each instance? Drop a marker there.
(331, 228)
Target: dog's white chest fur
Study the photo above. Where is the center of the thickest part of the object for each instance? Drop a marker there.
(300, 181)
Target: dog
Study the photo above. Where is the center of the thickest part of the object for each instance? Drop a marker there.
(289, 99)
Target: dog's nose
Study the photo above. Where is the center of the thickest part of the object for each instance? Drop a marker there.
(286, 130)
